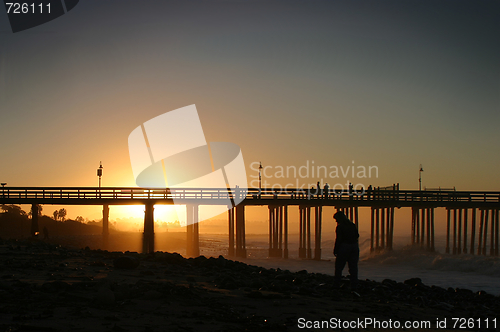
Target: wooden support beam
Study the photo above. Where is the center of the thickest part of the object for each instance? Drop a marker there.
(230, 216)
(276, 244)
(496, 231)
(417, 225)
(196, 232)
(302, 232)
(480, 237)
(372, 226)
(422, 233)
(193, 241)
(432, 231)
(317, 232)
(377, 226)
(447, 230)
(392, 227)
(356, 218)
(454, 231)
(412, 225)
(382, 229)
(492, 231)
(473, 231)
(285, 215)
(466, 217)
(241, 249)
(280, 230)
(35, 231)
(105, 226)
(485, 239)
(459, 240)
(308, 232)
(387, 228)
(148, 239)
(428, 229)
(271, 215)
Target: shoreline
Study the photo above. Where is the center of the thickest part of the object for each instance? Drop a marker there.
(445, 270)
(47, 287)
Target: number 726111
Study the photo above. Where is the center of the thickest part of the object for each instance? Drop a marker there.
(26, 8)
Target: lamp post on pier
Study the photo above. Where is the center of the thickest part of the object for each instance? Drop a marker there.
(99, 173)
(260, 177)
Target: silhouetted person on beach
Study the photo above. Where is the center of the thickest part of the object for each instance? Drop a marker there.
(346, 248)
(45, 233)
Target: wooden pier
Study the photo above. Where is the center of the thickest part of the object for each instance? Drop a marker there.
(472, 217)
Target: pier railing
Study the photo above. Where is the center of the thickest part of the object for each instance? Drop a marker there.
(9, 194)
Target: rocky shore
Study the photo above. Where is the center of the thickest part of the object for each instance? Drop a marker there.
(48, 287)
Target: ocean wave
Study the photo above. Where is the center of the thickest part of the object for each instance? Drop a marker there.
(415, 256)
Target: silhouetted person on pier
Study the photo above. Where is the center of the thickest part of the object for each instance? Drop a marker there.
(311, 193)
(237, 192)
(325, 190)
(346, 248)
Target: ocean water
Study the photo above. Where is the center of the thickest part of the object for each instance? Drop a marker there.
(477, 273)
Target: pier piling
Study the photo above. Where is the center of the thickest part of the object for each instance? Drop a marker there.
(148, 239)
(447, 230)
(230, 217)
(480, 237)
(34, 220)
(105, 226)
(317, 231)
(241, 250)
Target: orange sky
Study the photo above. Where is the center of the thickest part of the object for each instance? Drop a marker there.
(388, 84)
